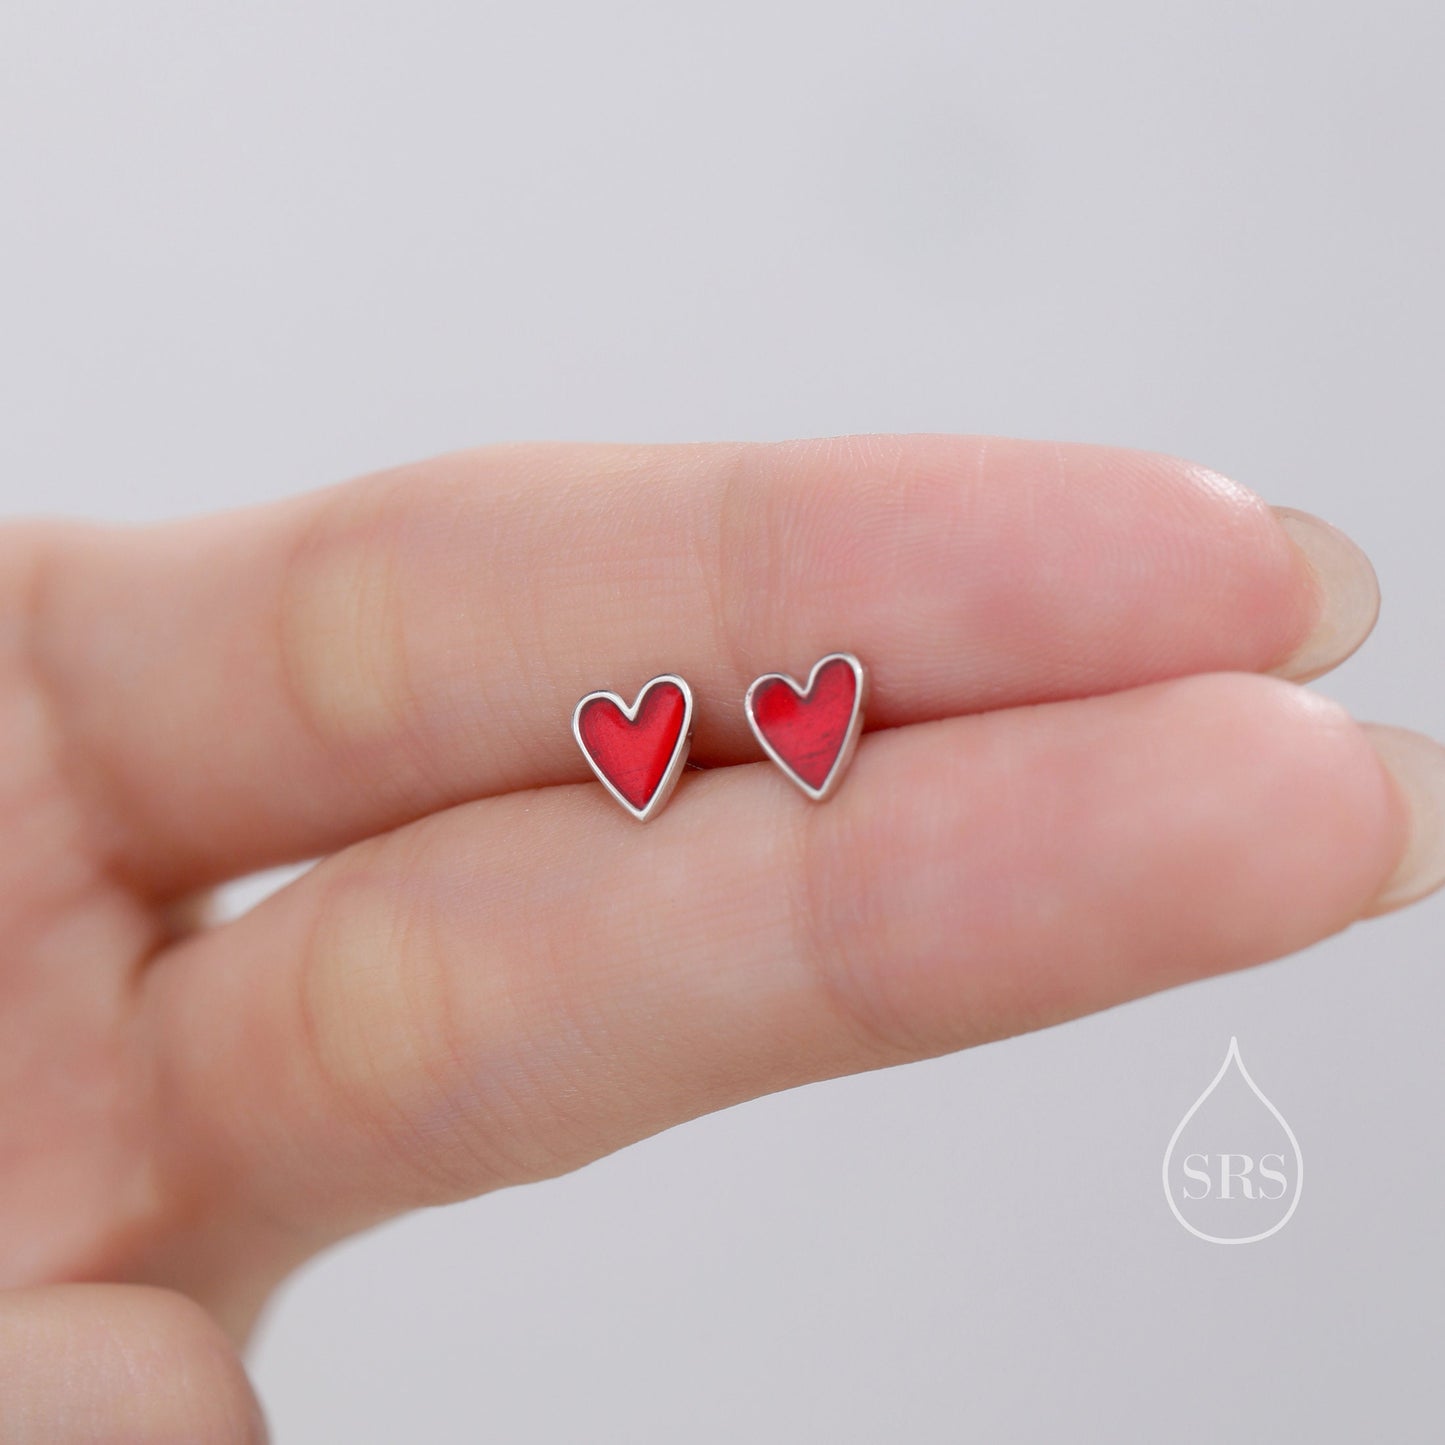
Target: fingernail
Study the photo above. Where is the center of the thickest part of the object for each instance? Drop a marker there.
(1348, 595)
(1417, 765)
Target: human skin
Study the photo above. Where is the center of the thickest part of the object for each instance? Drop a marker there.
(1088, 774)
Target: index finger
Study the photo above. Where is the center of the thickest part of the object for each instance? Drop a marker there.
(271, 685)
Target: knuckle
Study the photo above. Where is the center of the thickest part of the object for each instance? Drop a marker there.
(743, 567)
(363, 1017)
(393, 1051)
(844, 936)
(342, 641)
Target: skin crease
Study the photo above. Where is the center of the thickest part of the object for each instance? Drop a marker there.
(1071, 793)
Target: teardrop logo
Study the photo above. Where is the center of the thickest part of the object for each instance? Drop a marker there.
(1233, 1170)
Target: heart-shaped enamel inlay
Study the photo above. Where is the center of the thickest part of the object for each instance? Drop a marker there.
(638, 751)
(810, 732)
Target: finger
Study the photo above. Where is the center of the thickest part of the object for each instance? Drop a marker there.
(82, 1364)
(513, 987)
(239, 691)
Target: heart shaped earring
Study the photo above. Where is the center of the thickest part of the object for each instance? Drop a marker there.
(637, 752)
(810, 732)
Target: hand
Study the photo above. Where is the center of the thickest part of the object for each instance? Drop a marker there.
(1073, 792)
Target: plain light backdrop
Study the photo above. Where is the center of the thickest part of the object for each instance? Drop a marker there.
(253, 248)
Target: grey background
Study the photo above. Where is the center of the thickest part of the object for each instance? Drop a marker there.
(252, 248)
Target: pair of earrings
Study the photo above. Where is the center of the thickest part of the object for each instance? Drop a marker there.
(809, 731)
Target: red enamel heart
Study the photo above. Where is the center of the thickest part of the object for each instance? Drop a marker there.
(638, 751)
(809, 732)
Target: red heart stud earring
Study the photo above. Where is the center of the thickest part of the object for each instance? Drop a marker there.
(637, 752)
(810, 732)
